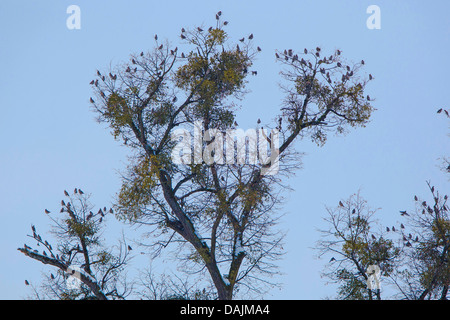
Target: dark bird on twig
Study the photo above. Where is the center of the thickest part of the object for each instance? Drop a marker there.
(368, 98)
(332, 259)
(415, 198)
(402, 226)
(404, 213)
(160, 47)
(156, 37)
(387, 229)
(393, 228)
(75, 190)
(199, 29)
(91, 100)
(341, 204)
(66, 193)
(81, 192)
(258, 121)
(129, 248)
(370, 77)
(250, 36)
(183, 30)
(27, 283)
(182, 55)
(362, 62)
(33, 228)
(258, 48)
(133, 61)
(111, 210)
(89, 216)
(52, 276)
(242, 40)
(254, 73)
(225, 23)
(219, 13)
(128, 69)
(306, 51)
(46, 211)
(373, 237)
(408, 244)
(92, 82)
(439, 111)
(276, 55)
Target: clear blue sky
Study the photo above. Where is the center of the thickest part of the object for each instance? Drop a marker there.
(51, 142)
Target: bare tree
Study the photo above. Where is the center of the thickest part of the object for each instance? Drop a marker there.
(354, 246)
(219, 217)
(79, 254)
(425, 269)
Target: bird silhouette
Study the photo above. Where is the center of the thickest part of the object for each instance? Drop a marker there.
(250, 36)
(258, 48)
(225, 23)
(404, 213)
(393, 228)
(91, 100)
(27, 283)
(370, 77)
(80, 191)
(199, 29)
(242, 40)
(92, 82)
(46, 211)
(66, 193)
(402, 226)
(387, 229)
(129, 248)
(341, 204)
(160, 47)
(258, 121)
(276, 55)
(305, 51)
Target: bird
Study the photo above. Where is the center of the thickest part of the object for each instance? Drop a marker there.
(199, 29)
(404, 213)
(183, 30)
(368, 98)
(96, 83)
(362, 62)
(66, 193)
(225, 23)
(27, 283)
(80, 191)
(373, 237)
(254, 73)
(415, 198)
(92, 82)
(128, 69)
(219, 13)
(393, 228)
(258, 48)
(402, 226)
(129, 248)
(160, 47)
(338, 52)
(182, 55)
(100, 211)
(250, 36)
(276, 55)
(341, 204)
(305, 51)
(235, 123)
(370, 77)
(52, 276)
(439, 111)
(46, 211)
(91, 100)
(111, 210)
(156, 37)
(217, 17)
(332, 259)
(354, 211)
(89, 216)
(133, 61)
(387, 229)
(75, 190)
(408, 244)
(242, 40)
(33, 228)
(258, 121)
